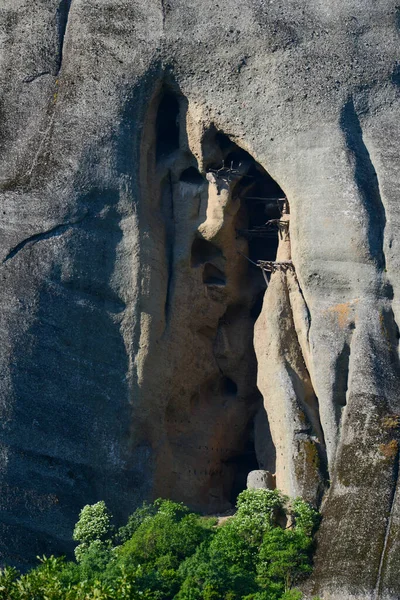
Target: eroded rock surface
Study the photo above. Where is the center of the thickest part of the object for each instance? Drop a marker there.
(141, 354)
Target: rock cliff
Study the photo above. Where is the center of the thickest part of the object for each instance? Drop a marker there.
(145, 145)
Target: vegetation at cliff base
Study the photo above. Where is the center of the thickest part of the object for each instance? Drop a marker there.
(165, 551)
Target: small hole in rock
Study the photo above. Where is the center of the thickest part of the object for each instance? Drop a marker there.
(213, 276)
(229, 387)
(167, 126)
(192, 176)
(203, 251)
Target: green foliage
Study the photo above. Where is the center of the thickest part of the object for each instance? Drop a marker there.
(93, 529)
(8, 579)
(305, 516)
(257, 512)
(292, 595)
(284, 558)
(167, 552)
(146, 511)
(172, 530)
(223, 568)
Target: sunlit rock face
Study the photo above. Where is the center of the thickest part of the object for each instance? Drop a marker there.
(145, 145)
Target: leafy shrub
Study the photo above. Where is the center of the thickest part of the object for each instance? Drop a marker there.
(166, 552)
(284, 558)
(146, 511)
(93, 529)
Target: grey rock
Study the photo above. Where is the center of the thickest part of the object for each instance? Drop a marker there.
(127, 313)
(260, 480)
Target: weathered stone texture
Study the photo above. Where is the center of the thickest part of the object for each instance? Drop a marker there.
(127, 313)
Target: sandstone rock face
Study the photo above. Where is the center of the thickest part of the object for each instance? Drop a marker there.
(141, 353)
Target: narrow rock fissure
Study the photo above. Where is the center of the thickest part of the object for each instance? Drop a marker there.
(341, 382)
(170, 234)
(63, 12)
(164, 10)
(44, 235)
(367, 181)
(167, 126)
(308, 313)
(32, 78)
(312, 429)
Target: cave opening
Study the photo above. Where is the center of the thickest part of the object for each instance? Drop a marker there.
(261, 203)
(167, 125)
(256, 231)
(213, 438)
(242, 464)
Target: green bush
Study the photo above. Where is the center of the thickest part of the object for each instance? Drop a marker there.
(284, 558)
(167, 552)
(93, 529)
(146, 511)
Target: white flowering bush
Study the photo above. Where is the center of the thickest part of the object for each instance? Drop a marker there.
(93, 529)
(257, 511)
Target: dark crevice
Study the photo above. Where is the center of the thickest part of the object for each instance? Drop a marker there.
(366, 180)
(259, 203)
(213, 276)
(264, 446)
(341, 381)
(165, 9)
(203, 251)
(44, 235)
(257, 306)
(63, 12)
(242, 464)
(169, 218)
(229, 387)
(242, 457)
(395, 77)
(224, 142)
(192, 176)
(167, 126)
(392, 334)
(259, 195)
(31, 78)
